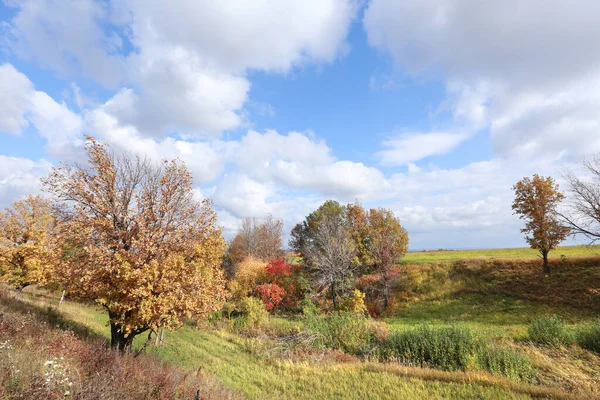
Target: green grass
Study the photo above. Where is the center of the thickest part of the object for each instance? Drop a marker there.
(233, 361)
(429, 257)
(494, 316)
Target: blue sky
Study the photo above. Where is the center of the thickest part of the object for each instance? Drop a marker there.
(432, 109)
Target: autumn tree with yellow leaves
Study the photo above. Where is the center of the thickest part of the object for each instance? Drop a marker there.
(536, 201)
(27, 253)
(137, 241)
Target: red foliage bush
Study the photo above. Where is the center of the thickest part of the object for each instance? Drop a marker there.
(271, 293)
(284, 280)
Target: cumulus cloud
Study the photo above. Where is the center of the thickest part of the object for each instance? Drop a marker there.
(206, 160)
(15, 95)
(20, 177)
(409, 147)
(23, 105)
(67, 36)
(528, 70)
(183, 64)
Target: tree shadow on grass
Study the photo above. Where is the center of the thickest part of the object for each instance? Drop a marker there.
(50, 315)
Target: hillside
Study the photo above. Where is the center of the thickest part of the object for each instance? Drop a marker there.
(496, 299)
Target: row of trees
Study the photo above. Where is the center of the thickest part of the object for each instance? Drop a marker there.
(130, 235)
(538, 201)
(123, 232)
(335, 244)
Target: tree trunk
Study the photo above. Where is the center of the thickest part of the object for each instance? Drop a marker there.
(386, 302)
(118, 339)
(333, 295)
(546, 265)
(62, 298)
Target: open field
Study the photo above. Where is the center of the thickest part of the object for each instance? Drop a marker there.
(496, 299)
(428, 257)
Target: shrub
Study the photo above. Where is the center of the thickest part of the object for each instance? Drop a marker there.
(309, 308)
(248, 273)
(551, 331)
(255, 313)
(590, 338)
(355, 303)
(448, 348)
(271, 293)
(506, 362)
(290, 278)
(349, 332)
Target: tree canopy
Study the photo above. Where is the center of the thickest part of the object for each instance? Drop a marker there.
(137, 241)
(27, 245)
(536, 202)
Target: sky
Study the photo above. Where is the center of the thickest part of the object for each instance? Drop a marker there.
(431, 108)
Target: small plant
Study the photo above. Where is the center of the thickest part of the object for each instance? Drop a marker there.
(309, 308)
(355, 303)
(506, 362)
(550, 331)
(57, 376)
(255, 313)
(590, 338)
(448, 348)
(350, 332)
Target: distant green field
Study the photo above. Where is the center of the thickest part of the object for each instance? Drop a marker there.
(429, 257)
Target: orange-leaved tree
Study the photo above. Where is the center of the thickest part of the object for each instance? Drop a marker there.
(27, 253)
(137, 241)
(536, 200)
(388, 241)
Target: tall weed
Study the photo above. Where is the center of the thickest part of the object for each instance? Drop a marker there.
(550, 331)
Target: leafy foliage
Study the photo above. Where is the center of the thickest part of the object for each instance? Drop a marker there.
(536, 200)
(139, 242)
(590, 338)
(347, 331)
(448, 348)
(27, 245)
(290, 278)
(255, 313)
(355, 303)
(388, 241)
(551, 331)
(272, 294)
(248, 274)
(506, 362)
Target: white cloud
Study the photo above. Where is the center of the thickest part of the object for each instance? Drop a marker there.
(299, 162)
(178, 93)
(410, 147)
(66, 36)
(20, 177)
(24, 105)
(233, 36)
(57, 124)
(186, 70)
(15, 94)
(206, 160)
(528, 70)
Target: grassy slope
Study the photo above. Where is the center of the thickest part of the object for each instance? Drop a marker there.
(493, 309)
(227, 357)
(425, 257)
